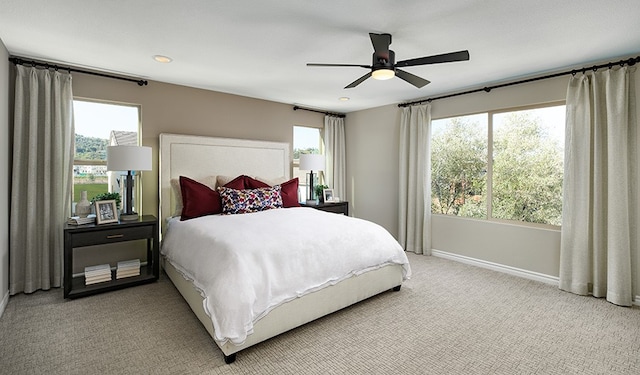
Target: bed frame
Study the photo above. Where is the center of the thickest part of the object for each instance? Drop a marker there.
(198, 157)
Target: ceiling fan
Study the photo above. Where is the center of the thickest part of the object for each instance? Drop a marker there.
(384, 65)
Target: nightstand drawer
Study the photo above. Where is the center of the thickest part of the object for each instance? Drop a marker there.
(111, 235)
(338, 208)
(334, 207)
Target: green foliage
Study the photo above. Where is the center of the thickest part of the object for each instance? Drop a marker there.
(91, 148)
(527, 170)
(107, 196)
(310, 150)
(318, 189)
(91, 189)
(458, 169)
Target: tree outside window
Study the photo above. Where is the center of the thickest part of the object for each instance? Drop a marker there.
(525, 172)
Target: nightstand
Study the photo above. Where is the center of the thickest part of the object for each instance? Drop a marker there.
(146, 227)
(335, 207)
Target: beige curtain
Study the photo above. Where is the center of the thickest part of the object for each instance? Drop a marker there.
(415, 179)
(334, 150)
(41, 178)
(600, 209)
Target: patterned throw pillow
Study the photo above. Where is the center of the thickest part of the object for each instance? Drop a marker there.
(249, 200)
(289, 189)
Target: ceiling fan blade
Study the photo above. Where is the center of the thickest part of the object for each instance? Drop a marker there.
(358, 81)
(411, 78)
(357, 65)
(436, 59)
(380, 42)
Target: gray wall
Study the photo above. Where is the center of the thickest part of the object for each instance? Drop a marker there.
(5, 177)
(168, 108)
(372, 156)
(372, 182)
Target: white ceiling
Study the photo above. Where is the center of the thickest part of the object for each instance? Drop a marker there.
(260, 48)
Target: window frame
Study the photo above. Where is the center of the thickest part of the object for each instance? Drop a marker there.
(138, 185)
(489, 176)
(302, 183)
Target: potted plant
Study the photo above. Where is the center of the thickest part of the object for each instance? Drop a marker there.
(318, 191)
(106, 197)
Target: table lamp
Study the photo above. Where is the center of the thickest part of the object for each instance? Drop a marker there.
(130, 159)
(311, 162)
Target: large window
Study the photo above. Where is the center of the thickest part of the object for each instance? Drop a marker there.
(306, 140)
(521, 181)
(459, 166)
(98, 125)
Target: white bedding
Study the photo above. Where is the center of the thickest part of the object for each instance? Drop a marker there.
(245, 265)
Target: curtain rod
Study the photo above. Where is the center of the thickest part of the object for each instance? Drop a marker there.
(341, 115)
(632, 61)
(21, 61)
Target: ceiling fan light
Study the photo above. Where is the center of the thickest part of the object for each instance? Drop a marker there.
(383, 74)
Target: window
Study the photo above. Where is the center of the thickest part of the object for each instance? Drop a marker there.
(522, 181)
(306, 140)
(98, 125)
(459, 166)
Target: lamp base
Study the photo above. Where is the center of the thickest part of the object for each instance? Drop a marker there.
(128, 217)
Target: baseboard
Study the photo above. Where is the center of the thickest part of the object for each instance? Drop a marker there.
(4, 303)
(547, 279)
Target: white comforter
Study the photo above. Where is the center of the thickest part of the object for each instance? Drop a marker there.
(245, 265)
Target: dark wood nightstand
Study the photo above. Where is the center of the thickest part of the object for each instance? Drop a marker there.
(146, 227)
(335, 207)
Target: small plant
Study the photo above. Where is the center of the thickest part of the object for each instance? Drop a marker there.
(318, 190)
(107, 197)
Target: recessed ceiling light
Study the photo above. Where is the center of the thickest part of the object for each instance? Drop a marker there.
(343, 99)
(162, 59)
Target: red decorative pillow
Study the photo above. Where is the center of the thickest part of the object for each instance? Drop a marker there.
(289, 190)
(198, 199)
(289, 193)
(252, 183)
(237, 183)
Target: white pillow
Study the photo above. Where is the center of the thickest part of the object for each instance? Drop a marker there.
(273, 181)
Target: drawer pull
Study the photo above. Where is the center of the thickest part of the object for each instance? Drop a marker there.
(115, 236)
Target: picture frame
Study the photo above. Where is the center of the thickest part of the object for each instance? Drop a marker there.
(106, 212)
(328, 195)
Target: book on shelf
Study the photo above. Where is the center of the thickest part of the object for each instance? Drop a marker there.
(100, 268)
(122, 275)
(133, 263)
(97, 279)
(97, 274)
(128, 268)
(77, 220)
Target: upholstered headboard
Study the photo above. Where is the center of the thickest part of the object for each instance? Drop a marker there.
(197, 157)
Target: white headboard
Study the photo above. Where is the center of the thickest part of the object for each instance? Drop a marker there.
(198, 157)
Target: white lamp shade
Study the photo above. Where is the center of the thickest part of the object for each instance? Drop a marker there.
(128, 158)
(311, 162)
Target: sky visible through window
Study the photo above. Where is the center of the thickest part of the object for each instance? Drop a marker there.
(305, 137)
(93, 119)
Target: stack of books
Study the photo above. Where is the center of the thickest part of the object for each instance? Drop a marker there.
(77, 220)
(128, 268)
(97, 274)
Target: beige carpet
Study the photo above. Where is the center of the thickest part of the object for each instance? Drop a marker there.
(450, 318)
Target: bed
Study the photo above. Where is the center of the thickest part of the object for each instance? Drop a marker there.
(200, 158)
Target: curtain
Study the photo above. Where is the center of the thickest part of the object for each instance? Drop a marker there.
(600, 208)
(334, 149)
(415, 179)
(41, 178)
